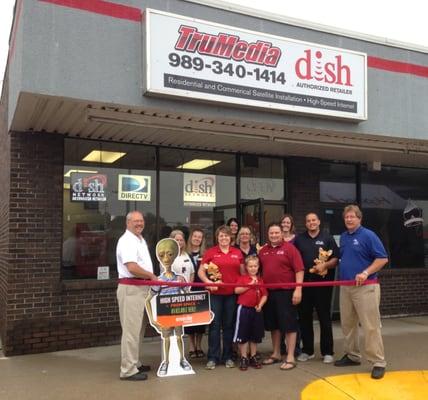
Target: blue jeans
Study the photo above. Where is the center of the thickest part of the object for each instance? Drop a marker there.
(223, 323)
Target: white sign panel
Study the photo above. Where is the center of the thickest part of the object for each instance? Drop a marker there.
(208, 61)
(268, 189)
(199, 190)
(134, 187)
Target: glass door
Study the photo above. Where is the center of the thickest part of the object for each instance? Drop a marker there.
(220, 216)
(259, 213)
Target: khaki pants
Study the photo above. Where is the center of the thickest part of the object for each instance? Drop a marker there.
(360, 304)
(131, 299)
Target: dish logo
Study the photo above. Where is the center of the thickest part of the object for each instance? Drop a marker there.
(88, 187)
(312, 66)
(199, 189)
(134, 188)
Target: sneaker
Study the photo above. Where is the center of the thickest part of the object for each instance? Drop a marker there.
(210, 365)
(229, 364)
(305, 357)
(144, 368)
(185, 365)
(140, 376)
(163, 369)
(328, 359)
(255, 362)
(378, 372)
(243, 363)
(345, 361)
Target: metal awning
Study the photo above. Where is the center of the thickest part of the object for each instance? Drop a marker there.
(89, 120)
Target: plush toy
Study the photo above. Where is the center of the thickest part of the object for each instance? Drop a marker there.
(323, 256)
(213, 272)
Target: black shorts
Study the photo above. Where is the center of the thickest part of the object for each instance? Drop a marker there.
(279, 312)
(190, 330)
(249, 325)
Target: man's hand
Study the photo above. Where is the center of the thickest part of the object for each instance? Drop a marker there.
(361, 278)
(297, 296)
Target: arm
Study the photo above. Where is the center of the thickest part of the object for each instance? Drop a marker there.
(139, 272)
(240, 289)
(375, 266)
(262, 302)
(330, 264)
(297, 294)
(150, 311)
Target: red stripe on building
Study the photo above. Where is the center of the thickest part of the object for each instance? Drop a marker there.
(116, 10)
(108, 8)
(397, 66)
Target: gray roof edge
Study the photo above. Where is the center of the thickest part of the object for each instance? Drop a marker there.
(253, 12)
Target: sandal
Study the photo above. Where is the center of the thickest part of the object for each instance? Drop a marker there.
(271, 360)
(200, 354)
(193, 354)
(287, 366)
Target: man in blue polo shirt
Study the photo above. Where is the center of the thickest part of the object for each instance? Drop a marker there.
(362, 255)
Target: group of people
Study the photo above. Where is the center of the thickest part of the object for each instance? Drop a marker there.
(244, 310)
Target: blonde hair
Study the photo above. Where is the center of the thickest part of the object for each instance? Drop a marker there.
(189, 241)
(252, 258)
(353, 208)
(223, 229)
(252, 236)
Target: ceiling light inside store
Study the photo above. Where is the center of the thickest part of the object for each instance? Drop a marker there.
(106, 157)
(82, 171)
(198, 163)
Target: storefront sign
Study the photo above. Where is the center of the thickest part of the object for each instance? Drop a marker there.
(134, 188)
(256, 188)
(208, 61)
(199, 190)
(88, 187)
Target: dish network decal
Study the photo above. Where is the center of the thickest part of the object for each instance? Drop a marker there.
(227, 46)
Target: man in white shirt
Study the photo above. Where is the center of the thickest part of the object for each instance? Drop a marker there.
(133, 262)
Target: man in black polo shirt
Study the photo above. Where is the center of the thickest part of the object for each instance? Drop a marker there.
(309, 244)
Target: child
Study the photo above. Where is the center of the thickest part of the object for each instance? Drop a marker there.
(249, 328)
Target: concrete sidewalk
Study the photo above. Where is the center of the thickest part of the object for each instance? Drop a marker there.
(93, 373)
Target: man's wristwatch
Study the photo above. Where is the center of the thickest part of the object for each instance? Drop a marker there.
(365, 273)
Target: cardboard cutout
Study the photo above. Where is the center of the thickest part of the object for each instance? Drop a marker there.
(170, 308)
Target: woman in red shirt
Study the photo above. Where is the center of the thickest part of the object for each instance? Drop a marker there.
(223, 300)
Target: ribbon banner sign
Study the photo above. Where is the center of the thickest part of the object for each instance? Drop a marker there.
(213, 62)
(191, 308)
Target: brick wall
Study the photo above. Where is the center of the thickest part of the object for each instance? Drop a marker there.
(303, 188)
(4, 206)
(44, 314)
(404, 291)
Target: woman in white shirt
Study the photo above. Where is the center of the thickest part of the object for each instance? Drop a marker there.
(183, 264)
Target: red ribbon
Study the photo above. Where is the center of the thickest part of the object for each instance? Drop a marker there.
(291, 285)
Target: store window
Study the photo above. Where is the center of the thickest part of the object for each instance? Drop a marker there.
(102, 183)
(338, 187)
(261, 178)
(395, 206)
(193, 184)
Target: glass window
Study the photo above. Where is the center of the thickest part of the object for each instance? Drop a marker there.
(97, 196)
(262, 178)
(395, 206)
(337, 189)
(192, 185)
